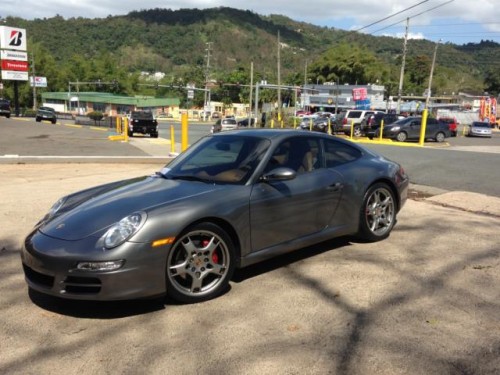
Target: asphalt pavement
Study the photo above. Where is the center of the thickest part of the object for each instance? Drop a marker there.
(423, 301)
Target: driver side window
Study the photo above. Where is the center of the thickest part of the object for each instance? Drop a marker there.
(299, 154)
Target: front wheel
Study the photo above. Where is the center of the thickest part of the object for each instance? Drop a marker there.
(440, 137)
(401, 137)
(38, 119)
(200, 264)
(378, 213)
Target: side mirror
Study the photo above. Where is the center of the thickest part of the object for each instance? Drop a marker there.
(279, 174)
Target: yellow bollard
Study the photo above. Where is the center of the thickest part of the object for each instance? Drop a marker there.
(295, 122)
(281, 124)
(310, 124)
(423, 125)
(381, 129)
(184, 131)
(352, 128)
(125, 128)
(329, 126)
(172, 139)
(118, 125)
(272, 124)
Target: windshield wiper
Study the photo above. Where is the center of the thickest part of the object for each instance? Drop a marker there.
(189, 178)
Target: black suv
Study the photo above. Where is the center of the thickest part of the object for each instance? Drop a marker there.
(4, 108)
(143, 122)
(46, 114)
(372, 122)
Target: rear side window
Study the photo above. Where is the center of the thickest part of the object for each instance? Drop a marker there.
(337, 153)
(354, 114)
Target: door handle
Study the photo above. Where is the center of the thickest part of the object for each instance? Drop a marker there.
(335, 187)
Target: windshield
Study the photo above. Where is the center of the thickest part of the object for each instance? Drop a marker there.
(142, 115)
(481, 125)
(219, 159)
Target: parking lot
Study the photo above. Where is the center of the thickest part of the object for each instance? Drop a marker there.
(423, 301)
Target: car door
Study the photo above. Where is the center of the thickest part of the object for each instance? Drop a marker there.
(414, 129)
(282, 211)
(431, 128)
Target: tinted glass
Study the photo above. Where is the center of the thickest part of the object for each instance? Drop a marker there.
(337, 153)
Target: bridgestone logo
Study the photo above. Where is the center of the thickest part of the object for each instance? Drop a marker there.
(15, 39)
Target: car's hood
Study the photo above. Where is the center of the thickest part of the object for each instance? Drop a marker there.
(93, 211)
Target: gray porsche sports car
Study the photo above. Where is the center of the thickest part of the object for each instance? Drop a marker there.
(232, 199)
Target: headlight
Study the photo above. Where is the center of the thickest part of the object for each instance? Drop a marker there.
(395, 129)
(123, 230)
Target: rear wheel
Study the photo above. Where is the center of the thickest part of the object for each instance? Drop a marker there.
(357, 131)
(200, 264)
(440, 137)
(130, 133)
(401, 137)
(378, 213)
(38, 119)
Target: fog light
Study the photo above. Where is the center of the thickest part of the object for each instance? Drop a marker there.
(101, 266)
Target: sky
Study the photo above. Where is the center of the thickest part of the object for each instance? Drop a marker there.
(447, 21)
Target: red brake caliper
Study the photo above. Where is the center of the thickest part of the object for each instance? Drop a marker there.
(215, 256)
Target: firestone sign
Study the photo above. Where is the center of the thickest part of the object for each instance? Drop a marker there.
(13, 56)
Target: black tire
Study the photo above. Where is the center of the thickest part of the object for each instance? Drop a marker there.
(8, 115)
(440, 137)
(378, 213)
(38, 119)
(401, 137)
(154, 135)
(53, 121)
(130, 134)
(202, 270)
(357, 131)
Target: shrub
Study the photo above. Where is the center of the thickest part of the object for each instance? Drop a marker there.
(96, 116)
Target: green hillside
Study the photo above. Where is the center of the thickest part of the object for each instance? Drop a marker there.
(118, 48)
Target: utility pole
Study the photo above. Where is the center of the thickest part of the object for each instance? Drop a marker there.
(250, 98)
(207, 77)
(34, 79)
(305, 74)
(401, 77)
(428, 96)
(279, 78)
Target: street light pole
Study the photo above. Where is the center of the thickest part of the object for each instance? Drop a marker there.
(428, 97)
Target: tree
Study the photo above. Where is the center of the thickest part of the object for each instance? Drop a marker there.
(492, 82)
(349, 64)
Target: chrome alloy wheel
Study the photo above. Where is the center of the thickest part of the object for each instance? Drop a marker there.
(380, 211)
(198, 264)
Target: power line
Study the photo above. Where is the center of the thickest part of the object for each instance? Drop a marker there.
(416, 15)
(392, 15)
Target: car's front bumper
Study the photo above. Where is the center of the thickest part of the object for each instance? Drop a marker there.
(50, 267)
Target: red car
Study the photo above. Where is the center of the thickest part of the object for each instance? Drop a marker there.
(452, 124)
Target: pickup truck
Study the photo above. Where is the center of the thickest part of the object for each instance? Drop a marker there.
(142, 122)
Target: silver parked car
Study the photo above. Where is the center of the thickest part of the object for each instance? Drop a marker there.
(479, 129)
(231, 200)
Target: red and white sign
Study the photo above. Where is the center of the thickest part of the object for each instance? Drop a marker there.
(17, 66)
(38, 81)
(360, 93)
(12, 38)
